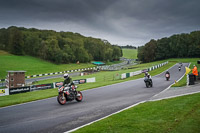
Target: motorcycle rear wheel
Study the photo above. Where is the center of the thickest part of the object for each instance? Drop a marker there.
(80, 97)
(61, 99)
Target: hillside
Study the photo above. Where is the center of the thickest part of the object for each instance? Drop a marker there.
(129, 53)
(32, 65)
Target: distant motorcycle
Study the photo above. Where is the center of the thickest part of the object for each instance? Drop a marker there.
(68, 93)
(167, 75)
(179, 68)
(148, 82)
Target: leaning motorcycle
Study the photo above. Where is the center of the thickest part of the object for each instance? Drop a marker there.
(148, 82)
(68, 93)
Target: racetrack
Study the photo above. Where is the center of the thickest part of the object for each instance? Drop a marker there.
(48, 116)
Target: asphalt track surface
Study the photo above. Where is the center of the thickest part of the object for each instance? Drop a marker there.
(48, 116)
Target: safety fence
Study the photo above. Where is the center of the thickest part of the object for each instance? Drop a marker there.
(11, 91)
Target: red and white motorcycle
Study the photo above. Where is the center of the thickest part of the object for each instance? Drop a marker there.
(68, 93)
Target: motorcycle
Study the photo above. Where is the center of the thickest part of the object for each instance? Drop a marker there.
(179, 68)
(68, 93)
(148, 82)
(167, 75)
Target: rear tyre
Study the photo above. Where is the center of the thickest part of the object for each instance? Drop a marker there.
(61, 99)
(79, 96)
(151, 84)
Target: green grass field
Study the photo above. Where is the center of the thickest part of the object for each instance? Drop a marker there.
(176, 115)
(111, 77)
(129, 53)
(33, 65)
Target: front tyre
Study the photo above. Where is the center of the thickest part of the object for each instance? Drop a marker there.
(79, 96)
(61, 99)
(147, 84)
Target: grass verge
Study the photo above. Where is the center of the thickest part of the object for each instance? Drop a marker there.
(34, 66)
(27, 97)
(182, 82)
(176, 115)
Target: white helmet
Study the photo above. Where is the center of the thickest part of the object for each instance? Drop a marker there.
(66, 75)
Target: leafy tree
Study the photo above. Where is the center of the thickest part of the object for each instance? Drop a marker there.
(15, 44)
(57, 47)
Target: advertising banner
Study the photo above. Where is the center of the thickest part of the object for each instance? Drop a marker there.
(19, 90)
(41, 87)
(80, 81)
(90, 80)
(57, 84)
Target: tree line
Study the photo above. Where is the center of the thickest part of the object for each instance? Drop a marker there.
(175, 46)
(57, 47)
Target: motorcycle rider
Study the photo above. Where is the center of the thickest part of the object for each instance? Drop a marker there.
(148, 76)
(167, 74)
(68, 80)
(179, 68)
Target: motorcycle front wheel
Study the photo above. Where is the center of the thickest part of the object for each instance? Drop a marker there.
(147, 84)
(79, 96)
(61, 99)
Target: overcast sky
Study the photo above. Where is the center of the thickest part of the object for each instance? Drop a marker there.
(122, 22)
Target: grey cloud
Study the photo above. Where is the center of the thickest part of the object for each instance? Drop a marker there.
(118, 21)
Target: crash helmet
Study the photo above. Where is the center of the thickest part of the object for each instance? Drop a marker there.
(146, 73)
(66, 75)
